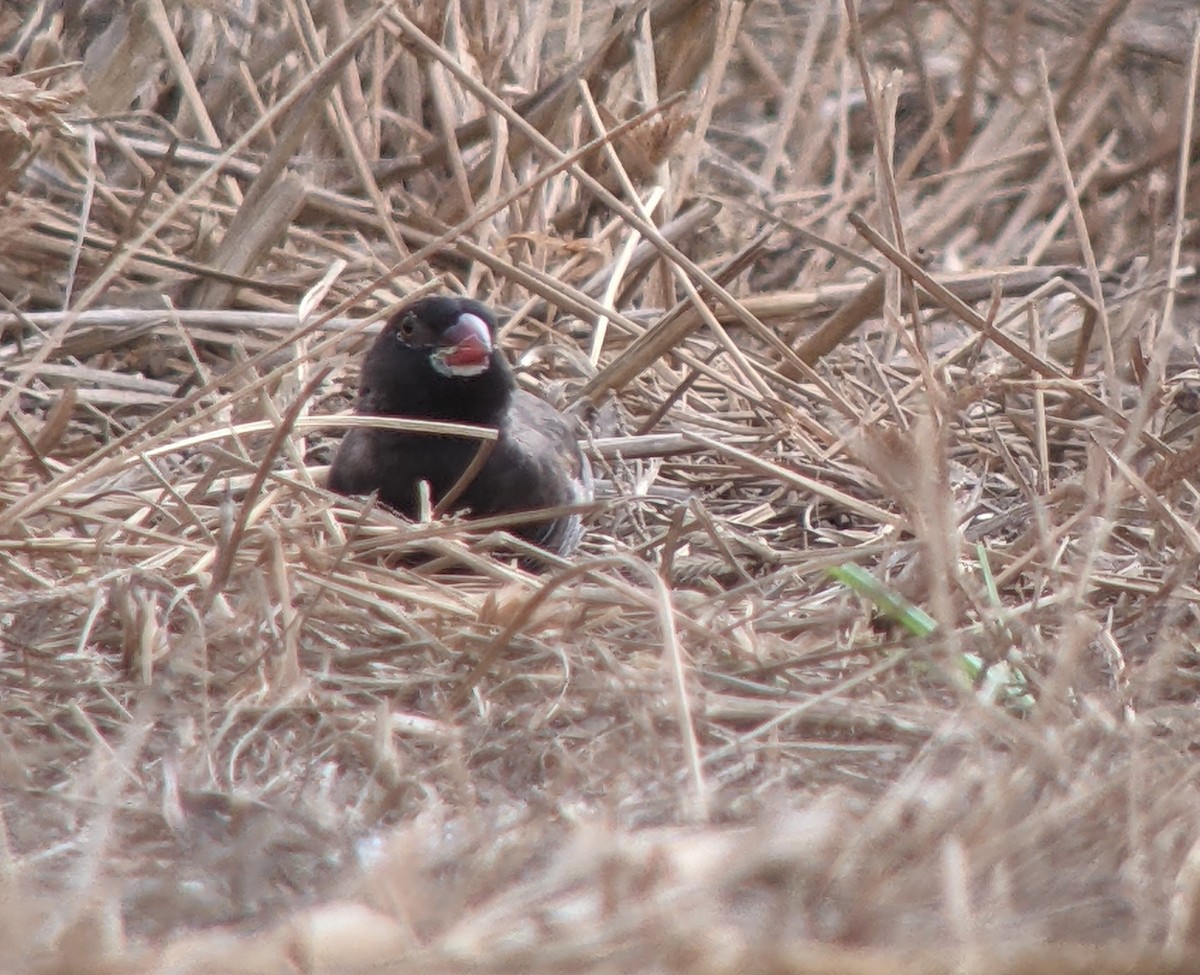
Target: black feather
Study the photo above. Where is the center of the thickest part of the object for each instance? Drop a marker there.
(431, 361)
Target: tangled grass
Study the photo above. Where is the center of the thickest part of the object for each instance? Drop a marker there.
(879, 655)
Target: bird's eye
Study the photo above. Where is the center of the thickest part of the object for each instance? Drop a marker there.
(408, 325)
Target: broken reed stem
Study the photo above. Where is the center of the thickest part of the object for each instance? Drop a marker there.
(105, 278)
(969, 316)
(227, 550)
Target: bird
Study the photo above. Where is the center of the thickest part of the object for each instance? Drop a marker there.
(437, 359)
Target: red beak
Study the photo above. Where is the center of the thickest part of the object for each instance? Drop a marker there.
(467, 344)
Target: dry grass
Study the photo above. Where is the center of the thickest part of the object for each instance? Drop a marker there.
(878, 284)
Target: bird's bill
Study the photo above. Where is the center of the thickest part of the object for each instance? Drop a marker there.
(465, 348)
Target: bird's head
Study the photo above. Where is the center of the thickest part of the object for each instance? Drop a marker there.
(438, 358)
(457, 334)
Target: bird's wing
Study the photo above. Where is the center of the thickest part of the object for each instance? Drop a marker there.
(547, 439)
(539, 465)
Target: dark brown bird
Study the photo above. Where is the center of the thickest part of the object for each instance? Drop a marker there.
(437, 360)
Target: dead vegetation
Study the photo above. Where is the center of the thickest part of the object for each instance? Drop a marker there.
(883, 285)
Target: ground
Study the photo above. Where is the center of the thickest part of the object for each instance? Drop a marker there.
(879, 654)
